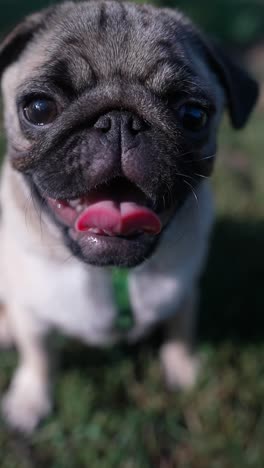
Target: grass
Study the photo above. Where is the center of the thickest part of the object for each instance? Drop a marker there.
(111, 407)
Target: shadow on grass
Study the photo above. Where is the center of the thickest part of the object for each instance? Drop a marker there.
(232, 302)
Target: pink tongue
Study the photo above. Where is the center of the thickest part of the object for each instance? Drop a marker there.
(123, 219)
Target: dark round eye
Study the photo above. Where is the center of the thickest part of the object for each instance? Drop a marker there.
(41, 111)
(192, 117)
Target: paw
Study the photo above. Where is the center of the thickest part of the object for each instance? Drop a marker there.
(26, 402)
(6, 339)
(179, 366)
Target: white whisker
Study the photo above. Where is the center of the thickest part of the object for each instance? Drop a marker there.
(193, 192)
(201, 175)
(201, 159)
(185, 175)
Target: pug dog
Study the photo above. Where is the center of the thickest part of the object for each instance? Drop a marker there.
(111, 112)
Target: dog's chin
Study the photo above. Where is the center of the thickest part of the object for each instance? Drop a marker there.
(111, 251)
(114, 224)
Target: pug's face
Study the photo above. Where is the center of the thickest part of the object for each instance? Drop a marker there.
(111, 112)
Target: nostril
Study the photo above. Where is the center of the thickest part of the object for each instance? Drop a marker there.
(104, 124)
(136, 125)
(120, 120)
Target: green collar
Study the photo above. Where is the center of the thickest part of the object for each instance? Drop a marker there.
(124, 320)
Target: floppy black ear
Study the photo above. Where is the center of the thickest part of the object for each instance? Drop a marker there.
(241, 90)
(18, 38)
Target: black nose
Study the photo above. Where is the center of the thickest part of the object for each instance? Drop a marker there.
(120, 121)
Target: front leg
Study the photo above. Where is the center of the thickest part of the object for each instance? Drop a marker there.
(27, 400)
(179, 363)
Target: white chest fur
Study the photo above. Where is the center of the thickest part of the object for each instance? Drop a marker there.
(61, 292)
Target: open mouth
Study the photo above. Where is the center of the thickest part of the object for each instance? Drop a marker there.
(114, 209)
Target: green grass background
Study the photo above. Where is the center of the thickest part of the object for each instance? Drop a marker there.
(111, 409)
(235, 21)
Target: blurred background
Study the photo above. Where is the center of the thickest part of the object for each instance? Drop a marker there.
(111, 407)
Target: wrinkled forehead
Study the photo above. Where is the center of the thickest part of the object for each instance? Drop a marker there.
(119, 37)
(116, 40)
(95, 42)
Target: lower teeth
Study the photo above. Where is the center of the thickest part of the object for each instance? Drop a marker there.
(74, 203)
(95, 231)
